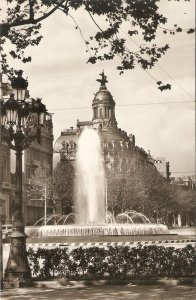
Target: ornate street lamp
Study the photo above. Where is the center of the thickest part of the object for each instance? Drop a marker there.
(21, 122)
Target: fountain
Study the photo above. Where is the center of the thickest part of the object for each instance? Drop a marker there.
(91, 218)
(90, 191)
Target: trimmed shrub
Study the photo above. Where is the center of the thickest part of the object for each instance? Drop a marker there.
(113, 262)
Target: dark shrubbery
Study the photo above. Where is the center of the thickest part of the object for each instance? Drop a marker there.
(113, 262)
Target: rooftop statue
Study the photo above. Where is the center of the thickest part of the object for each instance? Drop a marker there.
(103, 79)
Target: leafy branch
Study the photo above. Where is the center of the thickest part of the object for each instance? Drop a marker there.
(24, 18)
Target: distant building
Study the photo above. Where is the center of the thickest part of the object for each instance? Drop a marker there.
(163, 167)
(188, 182)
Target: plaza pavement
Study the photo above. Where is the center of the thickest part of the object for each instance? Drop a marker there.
(114, 292)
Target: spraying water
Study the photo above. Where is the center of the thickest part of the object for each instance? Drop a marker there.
(90, 195)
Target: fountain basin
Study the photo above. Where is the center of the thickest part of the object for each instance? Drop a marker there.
(96, 230)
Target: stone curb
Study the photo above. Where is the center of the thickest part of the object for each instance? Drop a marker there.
(105, 244)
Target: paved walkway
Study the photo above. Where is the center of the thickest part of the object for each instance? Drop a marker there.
(104, 293)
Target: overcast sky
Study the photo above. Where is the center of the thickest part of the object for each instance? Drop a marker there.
(59, 74)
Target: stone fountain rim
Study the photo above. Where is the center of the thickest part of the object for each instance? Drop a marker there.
(98, 225)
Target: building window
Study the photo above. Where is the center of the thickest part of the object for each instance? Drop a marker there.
(106, 110)
(96, 112)
(105, 144)
(3, 173)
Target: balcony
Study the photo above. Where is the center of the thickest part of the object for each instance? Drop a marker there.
(6, 185)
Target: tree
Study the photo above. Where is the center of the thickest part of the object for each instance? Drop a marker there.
(185, 204)
(63, 186)
(40, 188)
(129, 191)
(116, 186)
(22, 23)
(40, 180)
(148, 192)
(59, 186)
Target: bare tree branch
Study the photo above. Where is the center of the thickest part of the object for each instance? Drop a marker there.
(31, 11)
(4, 27)
(78, 27)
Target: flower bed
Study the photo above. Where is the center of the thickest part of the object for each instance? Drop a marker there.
(120, 262)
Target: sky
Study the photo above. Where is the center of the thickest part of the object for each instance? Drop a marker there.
(60, 75)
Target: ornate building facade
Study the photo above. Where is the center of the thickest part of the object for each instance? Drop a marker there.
(119, 149)
(38, 156)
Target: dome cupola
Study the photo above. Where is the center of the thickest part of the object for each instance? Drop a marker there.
(103, 104)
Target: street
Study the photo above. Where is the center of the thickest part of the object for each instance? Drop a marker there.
(104, 292)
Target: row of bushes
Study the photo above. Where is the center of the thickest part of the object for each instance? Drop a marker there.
(113, 262)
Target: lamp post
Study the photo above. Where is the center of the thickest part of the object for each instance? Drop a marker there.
(106, 199)
(21, 123)
(45, 204)
(1, 246)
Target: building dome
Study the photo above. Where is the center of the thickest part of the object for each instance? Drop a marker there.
(103, 105)
(103, 96)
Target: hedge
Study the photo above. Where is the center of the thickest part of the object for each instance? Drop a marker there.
(120, 262)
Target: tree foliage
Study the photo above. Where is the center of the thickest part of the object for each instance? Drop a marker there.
(148, 192)
(143, 190)
(40, 183)
(23, 19)
(59, 186)
(63, 186)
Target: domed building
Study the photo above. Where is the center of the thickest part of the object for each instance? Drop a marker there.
(118, 148)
